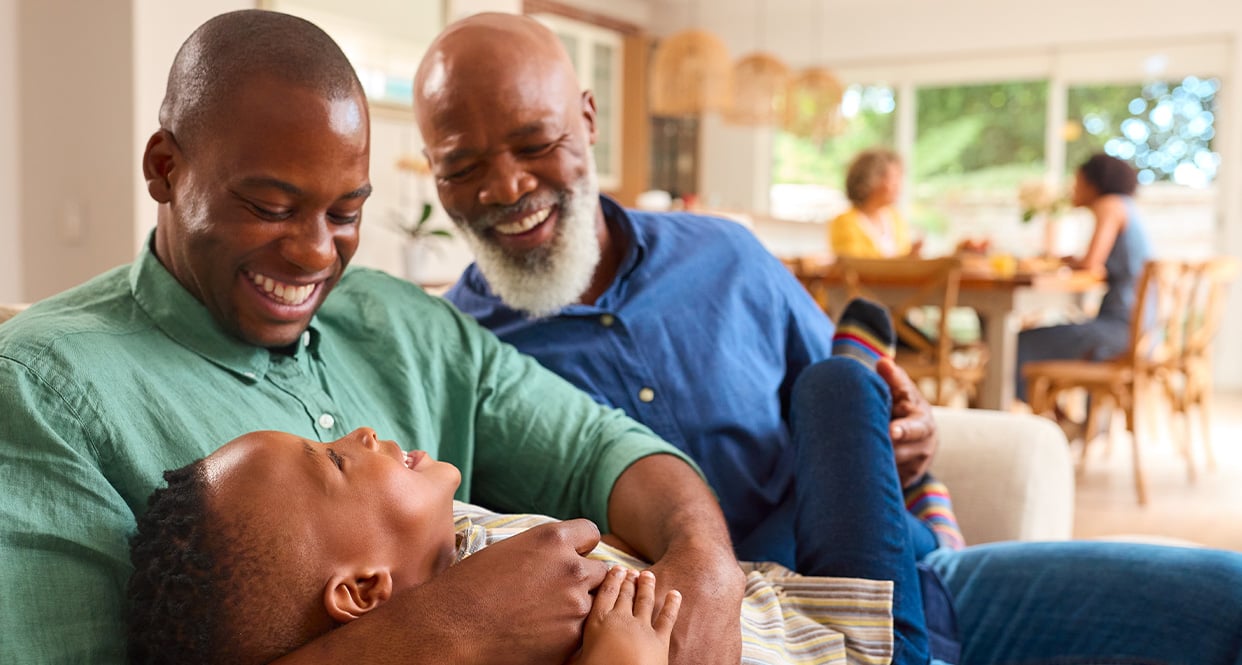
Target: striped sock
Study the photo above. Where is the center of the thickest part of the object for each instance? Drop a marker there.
(864, 333)
(928, 500)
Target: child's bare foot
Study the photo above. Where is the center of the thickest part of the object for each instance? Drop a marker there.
(623, 627)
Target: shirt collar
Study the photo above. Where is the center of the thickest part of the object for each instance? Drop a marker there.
(184, 319)
(637, 245)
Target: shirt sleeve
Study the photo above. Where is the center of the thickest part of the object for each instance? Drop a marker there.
(64, 556)
(808, 336)
(542, 445)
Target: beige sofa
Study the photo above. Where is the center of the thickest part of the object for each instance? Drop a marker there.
(1010, 475)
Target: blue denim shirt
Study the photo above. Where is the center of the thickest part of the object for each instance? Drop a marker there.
(700, 336)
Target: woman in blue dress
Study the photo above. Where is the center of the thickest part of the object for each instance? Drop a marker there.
(1117, 251)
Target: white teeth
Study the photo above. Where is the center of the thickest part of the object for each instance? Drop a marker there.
(288, 294)
(525, 224)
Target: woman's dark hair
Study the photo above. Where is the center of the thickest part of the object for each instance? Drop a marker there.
(1109, 175)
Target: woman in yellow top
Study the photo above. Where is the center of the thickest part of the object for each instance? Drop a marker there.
(872, 228)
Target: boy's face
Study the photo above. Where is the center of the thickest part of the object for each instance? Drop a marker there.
(357, 501)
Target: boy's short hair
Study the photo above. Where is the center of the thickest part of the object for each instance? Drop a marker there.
(205, 589)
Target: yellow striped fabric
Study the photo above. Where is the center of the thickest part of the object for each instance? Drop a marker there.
(786, 617)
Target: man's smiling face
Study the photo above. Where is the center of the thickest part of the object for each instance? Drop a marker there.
(263, 209)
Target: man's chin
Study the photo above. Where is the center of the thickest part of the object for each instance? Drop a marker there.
(271, 336)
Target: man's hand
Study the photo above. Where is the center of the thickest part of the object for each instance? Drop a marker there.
(912, 428)
(624, 627)
(524, 599)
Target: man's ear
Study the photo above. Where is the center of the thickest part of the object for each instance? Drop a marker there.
(588, 115)
(351, 594)
(158, 160)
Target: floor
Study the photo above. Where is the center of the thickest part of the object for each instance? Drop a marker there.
(1207, 511)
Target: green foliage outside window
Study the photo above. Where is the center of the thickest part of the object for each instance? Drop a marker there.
(1165, 128)
(870, 122)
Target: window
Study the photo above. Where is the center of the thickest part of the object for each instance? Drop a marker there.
(808, 177)
(1165, 128)
(596, 56)
(974, 145)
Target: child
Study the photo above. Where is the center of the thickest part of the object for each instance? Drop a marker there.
(273, 540)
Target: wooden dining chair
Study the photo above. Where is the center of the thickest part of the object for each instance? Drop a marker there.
(952, 370)
(807, 270)
(1189, 384)
(1126, 382)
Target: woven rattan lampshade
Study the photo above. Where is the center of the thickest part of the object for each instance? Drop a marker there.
(760, 82)
(813, 105)
(690, 74)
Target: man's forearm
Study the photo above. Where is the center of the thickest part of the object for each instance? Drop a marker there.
(664, 510)
(659, 503)
(398, 632)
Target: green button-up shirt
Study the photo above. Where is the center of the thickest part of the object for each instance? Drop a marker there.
(105, 386)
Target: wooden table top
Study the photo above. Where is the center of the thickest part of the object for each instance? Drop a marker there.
(975, 276)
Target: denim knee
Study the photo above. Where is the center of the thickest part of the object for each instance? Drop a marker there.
(838, 380)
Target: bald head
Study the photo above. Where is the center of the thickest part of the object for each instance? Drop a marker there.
(489, 53)
(239, 47)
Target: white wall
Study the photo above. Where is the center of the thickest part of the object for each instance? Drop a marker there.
(75, 93)
(10, 207)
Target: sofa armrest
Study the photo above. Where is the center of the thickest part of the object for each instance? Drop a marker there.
(1010, 475)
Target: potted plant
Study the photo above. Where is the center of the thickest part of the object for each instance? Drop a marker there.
(422, 241)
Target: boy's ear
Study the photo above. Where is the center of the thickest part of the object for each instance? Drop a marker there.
(352, 593)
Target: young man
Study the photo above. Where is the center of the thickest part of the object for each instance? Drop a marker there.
(240, 315)
(273, 540)
(687, 324)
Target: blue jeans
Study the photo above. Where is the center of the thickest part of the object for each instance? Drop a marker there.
(849, 515)
(1104, 603)
(1064, 603)
(1098, 339)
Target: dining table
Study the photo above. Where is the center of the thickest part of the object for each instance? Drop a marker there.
(1000, 292)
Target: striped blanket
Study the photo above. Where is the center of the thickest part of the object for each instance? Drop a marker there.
(786, 617)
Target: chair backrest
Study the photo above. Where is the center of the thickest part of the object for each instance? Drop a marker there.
(928, 282)
(1206, 304)
(809, 273)
(1158, 322)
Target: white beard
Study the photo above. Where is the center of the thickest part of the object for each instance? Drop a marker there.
(544, 281)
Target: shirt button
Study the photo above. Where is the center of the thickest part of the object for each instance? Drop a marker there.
(607, 320)
(306, 338)
(646, 395)
(326, 421)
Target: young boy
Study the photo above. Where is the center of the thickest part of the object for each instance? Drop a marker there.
(273, 540)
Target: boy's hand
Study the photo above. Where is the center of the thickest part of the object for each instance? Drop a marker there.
(621, 628)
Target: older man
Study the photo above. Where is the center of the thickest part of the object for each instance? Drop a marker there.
(684, 322)
(240, 315)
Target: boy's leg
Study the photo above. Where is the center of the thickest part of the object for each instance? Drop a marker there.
(851, 516)
(865, 333)
(1095, 602)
